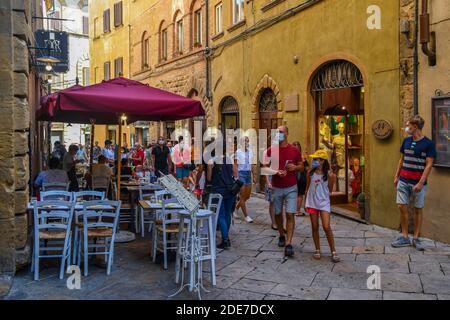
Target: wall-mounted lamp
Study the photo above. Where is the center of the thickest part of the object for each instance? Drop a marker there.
(295, 59)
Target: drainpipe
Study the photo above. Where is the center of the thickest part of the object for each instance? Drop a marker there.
(425, 34)
(207, 54)
(416, 60)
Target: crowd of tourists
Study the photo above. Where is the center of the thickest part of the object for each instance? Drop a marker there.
(299, 185)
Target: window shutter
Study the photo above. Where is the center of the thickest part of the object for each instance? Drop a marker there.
(107, 73)
(56, 24)
(86, 25)
(106, 21)
(118, 14)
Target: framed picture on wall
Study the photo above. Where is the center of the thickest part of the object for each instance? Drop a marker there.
(441, 129)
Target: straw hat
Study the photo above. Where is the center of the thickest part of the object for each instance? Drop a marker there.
(320, 154)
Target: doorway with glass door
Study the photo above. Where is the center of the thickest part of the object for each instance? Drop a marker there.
(338, 93)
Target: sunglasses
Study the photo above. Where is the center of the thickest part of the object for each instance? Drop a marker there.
(413, 144)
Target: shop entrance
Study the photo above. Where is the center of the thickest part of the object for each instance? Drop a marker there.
(338, 91)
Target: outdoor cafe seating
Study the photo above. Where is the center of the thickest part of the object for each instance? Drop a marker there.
(96, 223)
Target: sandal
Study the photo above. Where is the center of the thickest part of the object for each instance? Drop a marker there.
(334, 257)
(274, 228)
(317, 255)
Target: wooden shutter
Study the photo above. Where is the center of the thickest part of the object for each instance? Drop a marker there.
(107, 69)
(56, 24)
(86, 25)
(106, 21)
(118, 14)
(118, 67)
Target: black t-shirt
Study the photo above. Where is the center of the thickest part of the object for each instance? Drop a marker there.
(161, 157)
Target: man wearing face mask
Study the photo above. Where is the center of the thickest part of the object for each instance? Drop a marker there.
(414, 167)
(287, 160)
(161, 158)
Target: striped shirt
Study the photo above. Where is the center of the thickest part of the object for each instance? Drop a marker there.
(414, 160)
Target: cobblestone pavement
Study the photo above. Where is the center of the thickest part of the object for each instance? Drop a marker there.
(254, 268)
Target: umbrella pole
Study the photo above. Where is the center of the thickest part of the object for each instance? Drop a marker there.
(119, 156)
(91, 150)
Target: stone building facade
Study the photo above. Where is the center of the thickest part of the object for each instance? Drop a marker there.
(283, 52)
(168, 39)
(19, 91)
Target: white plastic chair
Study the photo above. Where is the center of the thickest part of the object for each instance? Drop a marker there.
(52, 232)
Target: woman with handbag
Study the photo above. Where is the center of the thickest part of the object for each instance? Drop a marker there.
(222, 173)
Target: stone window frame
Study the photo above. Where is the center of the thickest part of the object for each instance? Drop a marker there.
(163, 41)
(196, 37)
(145, 51)
(178, 42)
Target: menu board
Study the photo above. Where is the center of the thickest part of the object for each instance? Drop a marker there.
(186, 199)
(441, 132)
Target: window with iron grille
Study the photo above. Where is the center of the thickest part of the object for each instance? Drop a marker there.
(268, 101)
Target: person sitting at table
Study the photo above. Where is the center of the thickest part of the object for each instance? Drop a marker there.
(101, 173)
(139, 172)
(125, 169)
(52, 175)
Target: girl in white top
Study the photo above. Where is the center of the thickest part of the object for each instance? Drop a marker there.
(320, 181)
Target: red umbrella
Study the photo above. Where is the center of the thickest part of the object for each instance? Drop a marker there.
(48, 104)
(106, 101)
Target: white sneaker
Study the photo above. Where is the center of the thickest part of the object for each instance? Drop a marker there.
(248, 219)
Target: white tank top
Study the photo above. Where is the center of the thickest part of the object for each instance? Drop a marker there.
(318, 196)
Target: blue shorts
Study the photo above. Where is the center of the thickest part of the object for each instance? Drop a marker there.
(245, 177)
(182, 173)
(269, 195)
(287, 197)
(405, 194)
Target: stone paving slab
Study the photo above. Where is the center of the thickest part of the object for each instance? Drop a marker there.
(392, 295)
(353, 294)
(255, 268)
(436, 284)
(361, 266)
(301, 293)
(426, 268)
(254, 285)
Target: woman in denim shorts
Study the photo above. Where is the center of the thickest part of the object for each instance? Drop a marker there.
(244, 158)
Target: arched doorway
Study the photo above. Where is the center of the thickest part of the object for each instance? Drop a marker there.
(229, 110)
(268, 120)
(338, 92)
